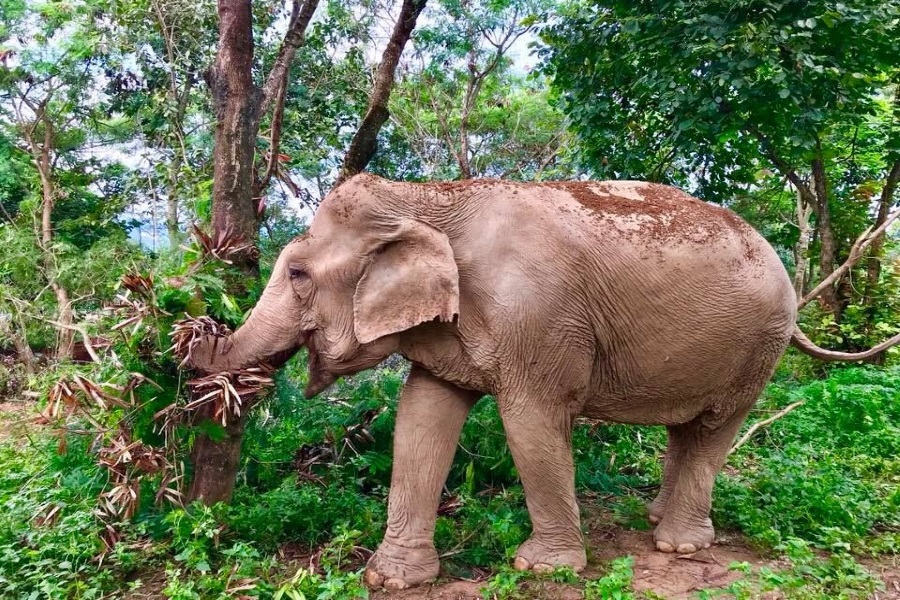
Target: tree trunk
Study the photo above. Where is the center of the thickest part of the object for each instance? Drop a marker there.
(216, 464)
(14, 328)
(172, 229)
(801, 250)
(828, 247)
(172, 193)
(65, 316)
(364, 143)
(236, 101)
(236, 211)
(873, 268)
(876, 250)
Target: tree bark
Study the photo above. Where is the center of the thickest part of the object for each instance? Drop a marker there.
(275, 88)
(14, 328)
(216, 464)
(828, 248)
(362, 147)
(236, 101)
(236, 210)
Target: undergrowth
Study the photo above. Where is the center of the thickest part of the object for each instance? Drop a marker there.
(311, 499)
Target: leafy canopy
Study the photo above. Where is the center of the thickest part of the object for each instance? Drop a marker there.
(691, 91)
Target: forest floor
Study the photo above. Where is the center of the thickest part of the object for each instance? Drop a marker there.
(666, 575)
(661, 575)
(656, 575)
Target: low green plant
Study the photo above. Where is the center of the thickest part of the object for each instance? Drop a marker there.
(809, 576)
(505, 584)
(615, 585)
(827, 472)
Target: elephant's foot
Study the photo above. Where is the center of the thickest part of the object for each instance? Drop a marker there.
(542, 557)
(684, 539)
(397, 567)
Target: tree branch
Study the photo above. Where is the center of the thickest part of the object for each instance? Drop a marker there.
(782, 165)
(84, 336)
(275, 89)
(757, 426)
(856, 253)
(276, 83)
(884, 204)
(363, 146)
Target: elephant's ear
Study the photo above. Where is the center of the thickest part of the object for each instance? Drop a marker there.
(411, 278)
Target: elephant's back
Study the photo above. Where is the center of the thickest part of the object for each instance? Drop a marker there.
(653, 215)
(683, 295)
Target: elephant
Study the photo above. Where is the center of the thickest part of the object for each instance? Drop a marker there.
(622, 301)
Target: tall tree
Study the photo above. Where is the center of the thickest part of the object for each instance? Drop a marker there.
(48, 101)
(238, 180)
(157, 83)
(709, 94)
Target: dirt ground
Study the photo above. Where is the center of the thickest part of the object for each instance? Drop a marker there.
(664, 575)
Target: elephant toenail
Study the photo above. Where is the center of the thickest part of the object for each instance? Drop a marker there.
(540, 568)
(520, 564)
(395, 584)
(686, 548)
(654, 519)
(374, 578)
(665, 547)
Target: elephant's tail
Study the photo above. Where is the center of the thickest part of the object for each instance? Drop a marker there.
(803, 343)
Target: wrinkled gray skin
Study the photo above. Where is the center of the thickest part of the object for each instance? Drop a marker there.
(624, 301)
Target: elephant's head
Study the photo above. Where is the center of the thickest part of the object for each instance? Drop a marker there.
(364, 272)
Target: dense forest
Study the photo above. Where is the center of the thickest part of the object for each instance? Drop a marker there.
(156, 156)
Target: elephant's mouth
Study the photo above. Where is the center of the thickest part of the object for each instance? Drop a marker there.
(319, 377)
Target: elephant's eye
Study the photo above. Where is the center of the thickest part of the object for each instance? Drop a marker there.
(298, 274)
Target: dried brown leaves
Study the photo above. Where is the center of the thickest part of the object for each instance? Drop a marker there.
(137, 303)
(222, 245)
(126, 461)
(190, 331)
(229, 394)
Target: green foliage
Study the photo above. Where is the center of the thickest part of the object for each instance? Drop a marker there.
(504, 585)
(808, 577)
(464, 109)
(48, 534)
(741, 103)
(668, 90)
(827, 473)
(615, 585)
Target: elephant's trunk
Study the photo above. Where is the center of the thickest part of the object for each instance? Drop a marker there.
(271, 335)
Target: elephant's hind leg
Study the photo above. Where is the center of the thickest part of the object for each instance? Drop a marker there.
(702, 449)
(672, 462)
(430, 417)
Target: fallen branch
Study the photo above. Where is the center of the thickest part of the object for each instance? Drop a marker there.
(856, 253)
(84, 336)
(757, 426)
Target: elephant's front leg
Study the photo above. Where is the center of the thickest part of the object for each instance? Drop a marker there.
(430, 417)
(540, 439)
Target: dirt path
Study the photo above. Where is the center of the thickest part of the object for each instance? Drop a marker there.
(666, 575)
(657, 574)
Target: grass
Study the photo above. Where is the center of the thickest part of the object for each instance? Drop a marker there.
(820, 488)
